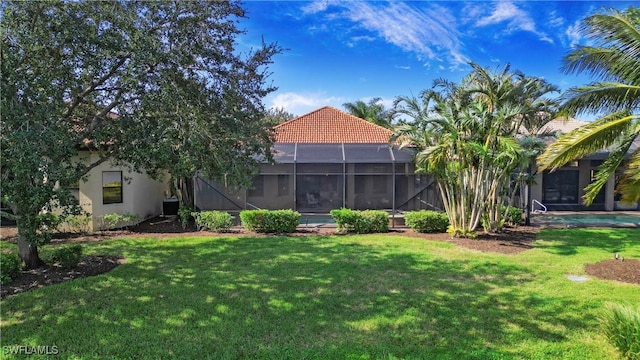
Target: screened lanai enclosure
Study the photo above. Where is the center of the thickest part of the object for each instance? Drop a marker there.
(315, 178)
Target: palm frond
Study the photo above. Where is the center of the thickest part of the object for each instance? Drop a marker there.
(608, 169)
(629, 185)
(603, 96)
(617, 47)
(584, 140)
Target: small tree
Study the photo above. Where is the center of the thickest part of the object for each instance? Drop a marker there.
(150, 85)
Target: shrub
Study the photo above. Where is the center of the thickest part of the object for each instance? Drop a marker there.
(77, 223)
(361, 222)
(67, 256)
(621, 326)
(184, 213)
(270, 221)
(10, 265)
(461, 233)
(115, 221)
(214, 220)
(427, 221)
(513, 215)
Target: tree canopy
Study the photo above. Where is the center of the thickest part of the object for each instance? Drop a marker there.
(150, 85)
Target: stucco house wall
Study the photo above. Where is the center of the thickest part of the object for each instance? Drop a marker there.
(141, 195)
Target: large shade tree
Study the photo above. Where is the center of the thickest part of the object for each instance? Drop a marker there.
(614, 60)
(152, 85)
(465, 135)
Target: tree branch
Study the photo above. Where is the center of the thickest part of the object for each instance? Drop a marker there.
(94, 85)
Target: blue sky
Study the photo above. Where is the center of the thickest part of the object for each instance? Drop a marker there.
(343, 51)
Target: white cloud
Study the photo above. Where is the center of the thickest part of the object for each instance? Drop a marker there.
(573, 34)
(428, 32)
(555, 20)
(356, 39)
(302, 103)
(516, 19)
(315, 7)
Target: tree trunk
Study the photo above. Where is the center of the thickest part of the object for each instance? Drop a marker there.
(186, 190)
(29, 254)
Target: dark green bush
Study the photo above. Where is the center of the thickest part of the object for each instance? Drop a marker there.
(270, 221)
(67, 256)
(219, 221)
(513, 215)
(427, 221)
(10, 265)
(621, 326)
(361, 222)
(184, 213)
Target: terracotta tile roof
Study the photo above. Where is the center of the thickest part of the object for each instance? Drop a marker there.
(330, 125)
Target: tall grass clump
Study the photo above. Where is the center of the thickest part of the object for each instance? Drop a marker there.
(621, 326)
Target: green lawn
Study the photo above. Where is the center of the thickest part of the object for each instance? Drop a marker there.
(333, 297)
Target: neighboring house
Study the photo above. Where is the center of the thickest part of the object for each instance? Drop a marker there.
(328, 159)
(112, 189)
(563, 189)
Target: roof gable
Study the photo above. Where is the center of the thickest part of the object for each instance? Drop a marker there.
(329, 125)
(563, 125)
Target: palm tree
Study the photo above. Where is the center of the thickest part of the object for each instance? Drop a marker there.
(373, 111)
(615, 63)
(465, 136)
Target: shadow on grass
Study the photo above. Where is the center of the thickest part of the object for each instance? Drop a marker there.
(278, 297)
(568, 241)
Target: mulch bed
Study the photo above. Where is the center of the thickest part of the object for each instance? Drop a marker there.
(48, 275)
(627, 270)
(510, 241)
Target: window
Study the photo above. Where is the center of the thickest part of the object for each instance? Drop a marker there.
(112, 187)
(257, 188)
(380, 184)
(560, 187)
(360, 184)
(283, 185)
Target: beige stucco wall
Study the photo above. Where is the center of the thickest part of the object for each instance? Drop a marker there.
(141, 195)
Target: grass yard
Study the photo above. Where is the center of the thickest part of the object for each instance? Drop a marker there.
(329, 297)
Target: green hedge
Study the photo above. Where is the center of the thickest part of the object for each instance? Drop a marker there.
(10, 265)
(67, 256)
(427, 221)
(219, 221)
(361, 221)
(270, 221)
